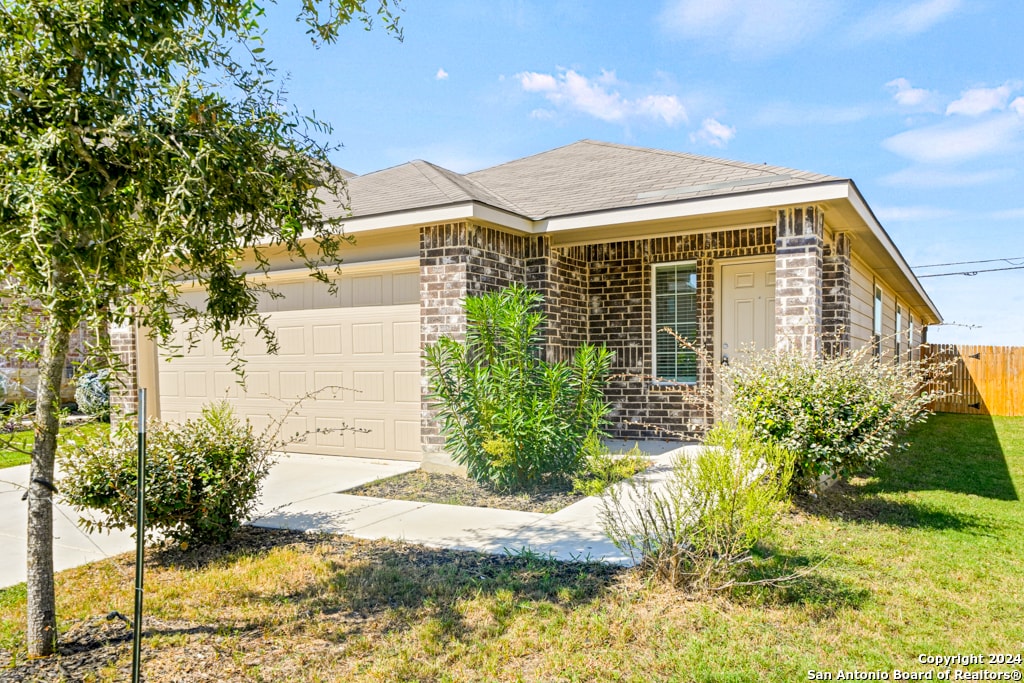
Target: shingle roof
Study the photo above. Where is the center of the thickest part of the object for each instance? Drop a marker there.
(578, 178)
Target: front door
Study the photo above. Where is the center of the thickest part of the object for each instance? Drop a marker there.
(747, 308)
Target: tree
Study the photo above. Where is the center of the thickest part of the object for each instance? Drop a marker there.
(143, 144)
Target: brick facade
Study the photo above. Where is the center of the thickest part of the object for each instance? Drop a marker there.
(22, 374)
(799, 247)
(599, 293)
(836, 295)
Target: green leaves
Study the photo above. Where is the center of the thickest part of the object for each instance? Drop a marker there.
(514, 420)
(838, 414)
(202, 479)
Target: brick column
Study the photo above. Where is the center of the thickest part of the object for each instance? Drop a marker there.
(798, 280)
(124, 388)
(443, 288)
(835, 300)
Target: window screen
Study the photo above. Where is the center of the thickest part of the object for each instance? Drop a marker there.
(675, 307)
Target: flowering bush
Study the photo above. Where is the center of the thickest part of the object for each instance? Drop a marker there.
(838, 414)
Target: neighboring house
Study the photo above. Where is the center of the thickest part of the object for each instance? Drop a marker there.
(18, 377)
(622, 242)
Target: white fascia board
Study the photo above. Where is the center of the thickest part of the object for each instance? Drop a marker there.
(765, 199)
(878, 232)
(437, 214)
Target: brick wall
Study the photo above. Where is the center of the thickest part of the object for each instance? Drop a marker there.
(836, 322)
(26, 335)
(619, 297)
(124, 391)
(798, 279)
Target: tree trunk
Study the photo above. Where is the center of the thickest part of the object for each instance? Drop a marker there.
(42, 616)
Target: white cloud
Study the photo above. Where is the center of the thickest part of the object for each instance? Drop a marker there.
(913, 18)
(748, 29)
(1018, 106)
(945, 143)
(901, 214)
(713, 133)
(906, 95)
(441, 75)
(572, 91)
(532, 81)
(930, 178)
(978, 101)
(542, 114)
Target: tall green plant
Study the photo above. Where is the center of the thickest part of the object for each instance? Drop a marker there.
(514, 420)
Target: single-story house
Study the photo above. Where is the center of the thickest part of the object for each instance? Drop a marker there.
(622, 241)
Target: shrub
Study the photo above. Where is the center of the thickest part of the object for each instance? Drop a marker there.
(202, 478)
(92, 393)
(837, 414)
(695, 528)
(513, 420)
(602, 468)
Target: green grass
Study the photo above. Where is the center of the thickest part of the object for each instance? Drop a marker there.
(924, 556)
(13, 447)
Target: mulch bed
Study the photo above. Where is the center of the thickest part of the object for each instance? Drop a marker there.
(451, 489)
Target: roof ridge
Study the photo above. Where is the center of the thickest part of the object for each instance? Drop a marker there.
(464, 177)
(418, 165)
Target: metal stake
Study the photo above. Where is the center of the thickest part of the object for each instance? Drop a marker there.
(140, 542)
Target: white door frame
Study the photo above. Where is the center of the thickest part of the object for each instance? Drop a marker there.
(719, 286)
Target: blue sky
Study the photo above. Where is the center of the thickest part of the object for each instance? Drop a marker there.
(920, 102)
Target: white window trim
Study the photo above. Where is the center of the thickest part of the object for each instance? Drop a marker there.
(655, 381)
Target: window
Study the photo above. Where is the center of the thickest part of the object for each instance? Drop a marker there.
(675, 307)
(899, 335)
(877, 321)
(910, 337)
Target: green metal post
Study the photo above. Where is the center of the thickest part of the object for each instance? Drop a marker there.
(140, 542)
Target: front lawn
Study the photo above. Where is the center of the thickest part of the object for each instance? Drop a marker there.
(923, 557)
(10, 457)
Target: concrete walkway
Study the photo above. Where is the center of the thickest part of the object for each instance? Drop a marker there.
(306, 493)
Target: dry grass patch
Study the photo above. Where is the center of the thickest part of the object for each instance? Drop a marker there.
(922, 557)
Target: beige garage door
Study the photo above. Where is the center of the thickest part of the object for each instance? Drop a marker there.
(359, 350)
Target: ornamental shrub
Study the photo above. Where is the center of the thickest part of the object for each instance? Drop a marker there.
(512, 419)
(838, 414)
(92, 393)
(203, 478)
(695, 528)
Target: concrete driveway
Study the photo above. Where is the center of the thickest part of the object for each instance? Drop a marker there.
(293, 480)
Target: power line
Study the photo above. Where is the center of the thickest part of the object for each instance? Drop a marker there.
(971, 273)
(1009, 260)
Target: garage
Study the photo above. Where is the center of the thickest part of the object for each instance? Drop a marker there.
(357, 351)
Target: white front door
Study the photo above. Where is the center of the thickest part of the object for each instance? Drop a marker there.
(747, 308)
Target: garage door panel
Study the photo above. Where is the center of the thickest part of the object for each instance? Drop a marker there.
(406, 337)
(372, 349)
(327, 339)
(368, 386)
(367, 338)
(371, 434)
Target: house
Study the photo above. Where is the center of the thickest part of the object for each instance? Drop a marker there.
(18, 376)
(622, 242)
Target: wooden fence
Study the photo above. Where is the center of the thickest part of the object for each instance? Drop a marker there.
(985, 380)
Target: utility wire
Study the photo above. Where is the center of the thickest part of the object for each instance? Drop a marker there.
(1011, 260)
(971, 273)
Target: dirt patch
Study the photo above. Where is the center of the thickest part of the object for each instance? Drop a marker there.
(451, 489)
